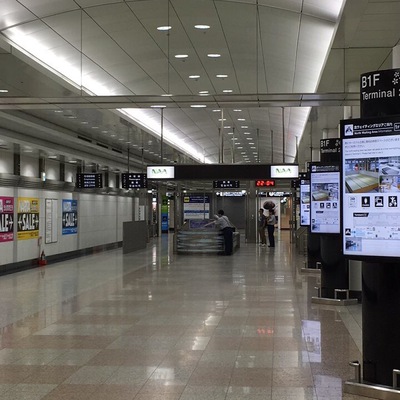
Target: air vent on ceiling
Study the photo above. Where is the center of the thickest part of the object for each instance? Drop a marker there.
(84, 139)
(117, 151)
(102, 145)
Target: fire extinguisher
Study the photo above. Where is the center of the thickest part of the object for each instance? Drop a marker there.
(42, 260)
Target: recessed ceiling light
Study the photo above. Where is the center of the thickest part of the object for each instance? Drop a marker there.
(180, 56)
(221, 76)
(239, 148)
(84, 122)
(198, 106)
(241, 119)
(164, 28)
(253, 147)
(71, 117)
(104, 131)
(213, 55)
(227, 127)
(227, 91)
(244, 126)
(58, 111)
(230, 133)
(237, 110)
(73, 161)
(121, 138)
(3, 91)
(203, 92)
(216, 110)
(251, 143)
(222, 119)
(246, 133)
(158, 106)
(194, 76)
(202, 26)
(167, 95)
(95, 127)
(249, 138)
(53, 157)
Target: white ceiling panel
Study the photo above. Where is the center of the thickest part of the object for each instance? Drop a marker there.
(13, 13)
(44, 8)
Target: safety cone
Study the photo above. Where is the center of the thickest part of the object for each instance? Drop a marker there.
(42, 259)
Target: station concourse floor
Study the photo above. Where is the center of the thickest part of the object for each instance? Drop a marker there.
(155, 325)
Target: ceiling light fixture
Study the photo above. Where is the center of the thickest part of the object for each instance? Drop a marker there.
(3, 91)
(213, 55)
(241, 119)
(167, 95)
(181, 56)
(202, 27)
(198, 106)
(221, 76)
(237, 110)
(227, 91)
(158, 106)
(216, 110)
(194, 76)
(164, 28)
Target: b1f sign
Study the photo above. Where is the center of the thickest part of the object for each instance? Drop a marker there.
(160, 172)
(284, 171)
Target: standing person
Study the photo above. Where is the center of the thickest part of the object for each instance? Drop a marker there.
(262, 223)
(227, 229)
(271, 221)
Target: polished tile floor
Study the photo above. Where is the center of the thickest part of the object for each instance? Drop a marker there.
(154, 325)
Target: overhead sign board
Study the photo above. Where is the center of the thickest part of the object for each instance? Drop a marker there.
(380, 93)
(160, 172)
(284, 171)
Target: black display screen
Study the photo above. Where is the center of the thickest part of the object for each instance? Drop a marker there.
(134, 181)
(89, 181)
(226, 184)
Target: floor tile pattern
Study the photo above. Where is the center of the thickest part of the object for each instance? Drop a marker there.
(154, 325)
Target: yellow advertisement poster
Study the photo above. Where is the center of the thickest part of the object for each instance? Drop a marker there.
(28, 218)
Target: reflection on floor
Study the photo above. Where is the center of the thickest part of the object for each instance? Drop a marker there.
(153, 325)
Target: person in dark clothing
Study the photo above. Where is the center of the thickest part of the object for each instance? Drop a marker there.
(226, 227)
(262, 224)
(271, 221)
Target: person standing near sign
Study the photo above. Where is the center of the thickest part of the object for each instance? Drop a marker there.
(226, 226)
(271, 221)
(262, 223)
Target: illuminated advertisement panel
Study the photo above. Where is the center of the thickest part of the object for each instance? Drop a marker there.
(371, 187)
(325, 198)
(305, 200)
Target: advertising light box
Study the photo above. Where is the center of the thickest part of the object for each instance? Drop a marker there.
(305, 200)
(325, 198)
(371, 188)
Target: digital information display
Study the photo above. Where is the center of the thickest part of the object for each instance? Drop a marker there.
(226, 184)
(371, 187)
(265, 182)
(134, 181)
(89, 181)
(325, 198)
(305, 202)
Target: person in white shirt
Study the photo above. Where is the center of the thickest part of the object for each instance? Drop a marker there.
(223, 223)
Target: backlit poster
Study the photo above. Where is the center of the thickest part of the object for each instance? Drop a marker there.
(69, 217)
(325, 198)
(196, 207)
(6, 219)
(371, 187)
(305, 200)
(28, 218)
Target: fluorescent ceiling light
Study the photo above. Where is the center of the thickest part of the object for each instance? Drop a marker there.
(227, 91)
(241, 119)
(194, 76)
(164, 28)
(213, 55)
(158, 106)
(246, 133)
(167, 95)
(216, 110)
(237, 110)
(201, 26)
(222, 119)
(244, 126)
(221, 76)
(180, 56)
(3, 91)
(198, 106)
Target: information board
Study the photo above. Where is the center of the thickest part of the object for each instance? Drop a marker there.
(325, 198)
(89, 181)
(305, 207)
(226, 184)
(134, 181)
(371, 187)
